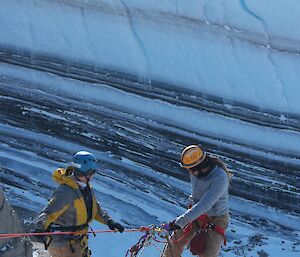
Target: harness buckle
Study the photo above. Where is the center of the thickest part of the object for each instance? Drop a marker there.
(211, 226)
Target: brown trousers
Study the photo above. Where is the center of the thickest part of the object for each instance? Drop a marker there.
(214, 240)
(79, 249)
(65, 251)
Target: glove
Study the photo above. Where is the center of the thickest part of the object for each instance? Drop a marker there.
(173, 226)
(115, 226)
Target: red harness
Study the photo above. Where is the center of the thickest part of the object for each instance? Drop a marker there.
(198, 243)
(203, 220)
(205, 226)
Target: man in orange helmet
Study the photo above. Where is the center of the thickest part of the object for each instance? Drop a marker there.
(203, 224)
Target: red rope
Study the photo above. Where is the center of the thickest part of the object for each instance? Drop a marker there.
(14, 235)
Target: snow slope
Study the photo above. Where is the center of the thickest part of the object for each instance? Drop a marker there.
(134, 82)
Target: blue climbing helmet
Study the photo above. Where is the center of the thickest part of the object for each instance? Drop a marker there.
(84, 163)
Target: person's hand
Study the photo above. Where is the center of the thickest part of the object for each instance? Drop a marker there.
(115, 226)
(173, 226)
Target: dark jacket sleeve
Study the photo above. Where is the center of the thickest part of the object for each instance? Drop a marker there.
(58, 204)
(102, 215)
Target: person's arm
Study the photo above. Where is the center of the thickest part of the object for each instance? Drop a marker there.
(216, 189)
(103, 217)
(57, 205)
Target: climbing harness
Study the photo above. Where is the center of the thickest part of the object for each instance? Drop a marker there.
(198, 243)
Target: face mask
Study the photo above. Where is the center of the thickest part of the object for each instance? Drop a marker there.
(204, 164)
(81, 183)
(202, 174)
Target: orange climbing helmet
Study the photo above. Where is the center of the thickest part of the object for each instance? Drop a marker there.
(192, 156)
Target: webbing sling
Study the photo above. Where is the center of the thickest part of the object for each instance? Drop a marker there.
(203, 220)
(206, 225)
(56, 227)
(198, 243)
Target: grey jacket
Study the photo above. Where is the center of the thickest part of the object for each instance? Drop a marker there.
(67, 208)
(209, 195)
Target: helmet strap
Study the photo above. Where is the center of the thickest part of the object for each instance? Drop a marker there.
(88, 178)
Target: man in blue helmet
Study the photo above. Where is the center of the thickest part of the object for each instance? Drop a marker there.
(72, 207)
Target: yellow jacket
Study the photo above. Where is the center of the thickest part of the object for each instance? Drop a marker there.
(67, 207)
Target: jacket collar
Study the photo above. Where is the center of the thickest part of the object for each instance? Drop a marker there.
(60, 176)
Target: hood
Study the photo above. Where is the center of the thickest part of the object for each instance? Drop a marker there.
(63, 177)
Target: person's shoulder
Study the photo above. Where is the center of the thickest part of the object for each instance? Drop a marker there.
(64, 189)
(65, 193)
(219, 173)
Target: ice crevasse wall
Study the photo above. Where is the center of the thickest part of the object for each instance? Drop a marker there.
(243, 52)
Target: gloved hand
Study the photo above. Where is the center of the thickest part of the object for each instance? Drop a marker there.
(115, 225)
(173, 226)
